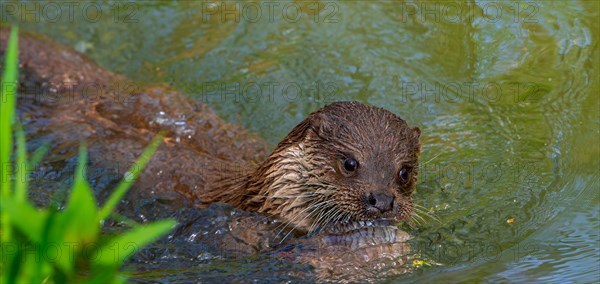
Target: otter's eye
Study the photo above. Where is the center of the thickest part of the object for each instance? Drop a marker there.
(404, 173)
(350, 164)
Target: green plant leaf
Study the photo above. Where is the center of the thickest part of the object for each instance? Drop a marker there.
(38, 154)
(80, 218)
(27, 219)
(22, 167)
(8, 91)
(14, 264)
(39, 265)
(54, 233)
(131, 177)
(127, 244)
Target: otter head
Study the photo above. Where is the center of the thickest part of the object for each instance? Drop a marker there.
(346, 162)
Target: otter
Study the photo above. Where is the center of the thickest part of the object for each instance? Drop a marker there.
(347, 162)
(348, 168)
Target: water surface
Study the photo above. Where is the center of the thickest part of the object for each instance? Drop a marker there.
(505, 93)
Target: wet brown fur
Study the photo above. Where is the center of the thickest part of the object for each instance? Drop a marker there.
(303, 181)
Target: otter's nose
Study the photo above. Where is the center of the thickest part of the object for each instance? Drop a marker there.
(382, 201)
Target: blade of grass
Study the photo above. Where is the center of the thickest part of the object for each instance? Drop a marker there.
(130, 177)
(43, 245)
(21, 167)
(122, 219)
(14, 265)
(133, 240)
(7, 108)
(81, 171)
(81, 211)
(8, 90)
(30, 221)
(38, 154)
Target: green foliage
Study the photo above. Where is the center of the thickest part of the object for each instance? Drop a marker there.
(46, 245)
(7, 106)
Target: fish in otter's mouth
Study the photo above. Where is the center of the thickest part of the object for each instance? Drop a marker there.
(346, 164)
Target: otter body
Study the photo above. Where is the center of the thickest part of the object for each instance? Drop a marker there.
(345, 163)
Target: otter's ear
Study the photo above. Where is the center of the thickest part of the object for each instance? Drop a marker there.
(317, 123)
(416, 132)
(323, 126)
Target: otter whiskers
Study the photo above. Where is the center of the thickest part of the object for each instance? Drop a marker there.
(419, 215)
(317, 206)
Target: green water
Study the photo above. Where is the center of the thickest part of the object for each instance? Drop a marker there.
(505, 93)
